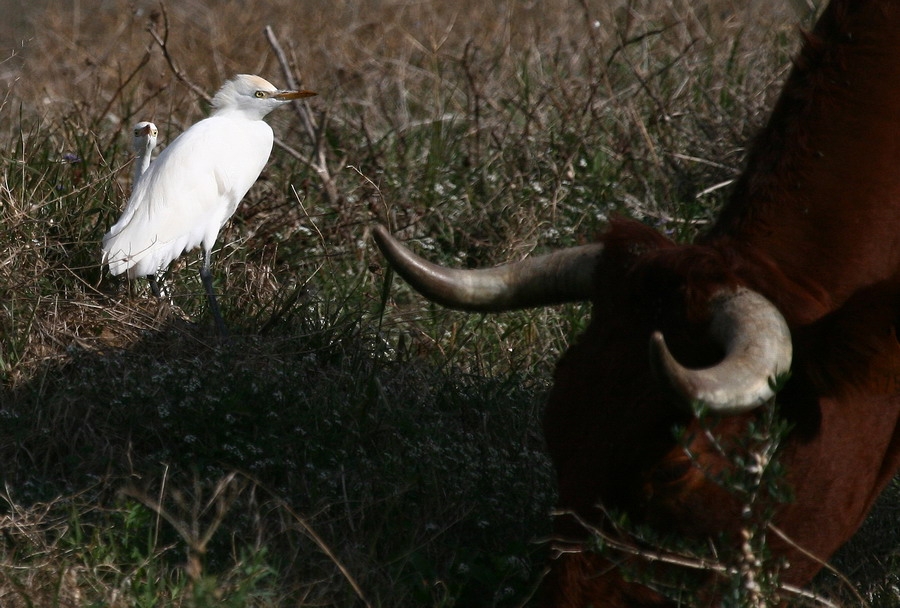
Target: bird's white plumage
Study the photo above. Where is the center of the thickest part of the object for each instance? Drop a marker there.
(183, 198)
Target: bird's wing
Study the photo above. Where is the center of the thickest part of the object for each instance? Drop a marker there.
(185, 196)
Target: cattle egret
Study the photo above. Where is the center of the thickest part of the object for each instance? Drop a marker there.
(182, 200)
(144, 141)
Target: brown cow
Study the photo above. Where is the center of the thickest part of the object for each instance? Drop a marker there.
(800, 270)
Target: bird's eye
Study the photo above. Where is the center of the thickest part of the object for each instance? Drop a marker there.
(260, 94)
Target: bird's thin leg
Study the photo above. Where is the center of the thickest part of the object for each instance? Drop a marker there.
(206, 277)
(154, 286)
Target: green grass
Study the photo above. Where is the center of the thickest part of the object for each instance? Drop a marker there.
(352, 444)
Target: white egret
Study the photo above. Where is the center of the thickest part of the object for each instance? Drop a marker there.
(145, 134)
(182, 200)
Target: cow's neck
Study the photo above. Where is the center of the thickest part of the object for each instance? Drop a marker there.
(821, 192)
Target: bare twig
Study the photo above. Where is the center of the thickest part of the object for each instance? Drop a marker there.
(124, 83)
(671, 558)
(315, 132)
(388, 220)
(225, 494)
(162, 41)
(314, 536)
(844, 580)
(300, 107)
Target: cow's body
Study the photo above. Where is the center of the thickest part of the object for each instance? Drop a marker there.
(814, 227)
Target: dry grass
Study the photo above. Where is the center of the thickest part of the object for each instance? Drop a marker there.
(389, 451)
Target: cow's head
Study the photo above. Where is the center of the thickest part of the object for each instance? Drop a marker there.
(671, 326)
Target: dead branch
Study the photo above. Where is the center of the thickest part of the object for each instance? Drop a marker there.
(671, 558)
(162, 42)
(315, 132)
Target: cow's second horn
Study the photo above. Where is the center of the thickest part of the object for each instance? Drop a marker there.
(562, 276)
(757, 345)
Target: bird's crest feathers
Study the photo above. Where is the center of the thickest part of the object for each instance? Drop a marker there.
(241, 86)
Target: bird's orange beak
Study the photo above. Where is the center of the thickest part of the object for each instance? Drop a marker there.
(286, 95)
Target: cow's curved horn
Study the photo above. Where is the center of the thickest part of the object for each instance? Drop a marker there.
(757, 346)
(562, 276)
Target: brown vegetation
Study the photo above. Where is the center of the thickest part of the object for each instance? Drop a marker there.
(387, 449)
